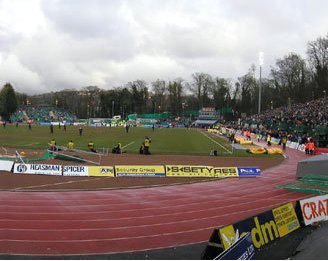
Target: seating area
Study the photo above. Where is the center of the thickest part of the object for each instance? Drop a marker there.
(298, 120)
(41, 114)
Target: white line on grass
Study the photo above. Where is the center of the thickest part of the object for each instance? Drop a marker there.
(216, 142)
(127, 144)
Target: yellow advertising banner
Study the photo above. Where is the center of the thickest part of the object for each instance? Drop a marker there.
(228, 236)
(188, 171)
(99, 171)
(286, 219)
(139, 171)
(225, 172)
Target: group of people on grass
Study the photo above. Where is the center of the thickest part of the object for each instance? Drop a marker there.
(144, 148)
(70, 145)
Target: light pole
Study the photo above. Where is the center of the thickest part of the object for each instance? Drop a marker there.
(260, 85)
(113, 102)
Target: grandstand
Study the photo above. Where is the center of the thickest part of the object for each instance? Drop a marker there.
(300, 121)
(40, 114)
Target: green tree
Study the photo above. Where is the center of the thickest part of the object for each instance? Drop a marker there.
(8, 101)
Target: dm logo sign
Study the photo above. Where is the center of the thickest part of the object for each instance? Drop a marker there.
(21, 168)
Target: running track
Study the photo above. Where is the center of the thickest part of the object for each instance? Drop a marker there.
(128, 220)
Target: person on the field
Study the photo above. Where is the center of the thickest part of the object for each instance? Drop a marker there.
(117, 149)
(70, 145)
(284, 141)
(91, 146)
(147, 142)
(52, 144)
(258, 136)
(80, 130)
(311, 147)
(268, 139)
(51, 128)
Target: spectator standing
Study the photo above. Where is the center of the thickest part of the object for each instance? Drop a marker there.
(268, 139)
(284, 141)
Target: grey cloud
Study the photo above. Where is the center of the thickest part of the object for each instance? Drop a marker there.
(108, 43)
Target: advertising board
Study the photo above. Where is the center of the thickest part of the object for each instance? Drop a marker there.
(139, 171)
(75, 171)
(314, 209)
(188, 171)
(101, 171)
(42, 169)
(264, 228)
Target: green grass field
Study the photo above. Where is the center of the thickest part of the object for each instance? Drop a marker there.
(164, 141)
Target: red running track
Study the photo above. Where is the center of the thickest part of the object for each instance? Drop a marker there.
(128, 220)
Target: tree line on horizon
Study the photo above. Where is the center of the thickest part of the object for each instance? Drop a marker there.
(293, 79)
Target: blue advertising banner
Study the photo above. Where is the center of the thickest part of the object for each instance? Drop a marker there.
(243, 249)
(249, 171)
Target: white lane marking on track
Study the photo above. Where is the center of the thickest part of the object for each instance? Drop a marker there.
(274, 198)
(180, 232)
(214, 141)
(59, 183)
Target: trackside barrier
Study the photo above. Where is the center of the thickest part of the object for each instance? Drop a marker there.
(264, 228)
(42, 169)
(6, 165)
(138, 170)
(314, 209)
(243, 249)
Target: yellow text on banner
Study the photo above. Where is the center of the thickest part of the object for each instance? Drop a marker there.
(286, 219)
(139, 171)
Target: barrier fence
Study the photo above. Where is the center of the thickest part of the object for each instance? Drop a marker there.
(264, 228)
(131, 170)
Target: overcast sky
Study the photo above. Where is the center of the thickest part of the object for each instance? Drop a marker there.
(57, 44)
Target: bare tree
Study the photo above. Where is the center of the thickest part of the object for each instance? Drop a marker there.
(291, 77)
(317, 52)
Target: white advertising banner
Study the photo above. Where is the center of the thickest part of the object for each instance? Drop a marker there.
(6, 165)
(314, 209)
(43, 169)
(75, 171)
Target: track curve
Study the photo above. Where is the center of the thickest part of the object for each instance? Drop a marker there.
(128, 220)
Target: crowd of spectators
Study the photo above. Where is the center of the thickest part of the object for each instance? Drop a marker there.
(299, 121)
(41, 114)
